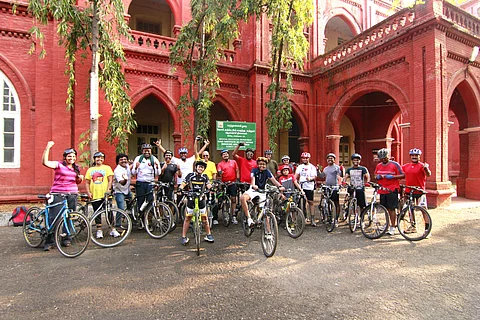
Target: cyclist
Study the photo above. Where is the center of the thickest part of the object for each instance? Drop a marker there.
(285, 162)
(388, 174)
(169, 172)
(305, 175)
(211, 170)
(229, 172)
(99, 180)
(122, 176)
(258, 180)
(332, 174)
(197, 182)
(358, 176)
(272, 165)
(66, 179)
(245, 164)
(288, 180)
(416, 172)
(146, 167)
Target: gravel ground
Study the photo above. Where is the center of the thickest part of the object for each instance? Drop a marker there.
(318, 276)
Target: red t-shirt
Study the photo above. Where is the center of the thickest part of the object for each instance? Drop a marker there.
(392, 168)
(414, 175)
(246, 167)
(229, 170)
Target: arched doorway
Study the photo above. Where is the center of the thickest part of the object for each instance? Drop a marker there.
(218, 112)
(153, 17)
(337, 31)
(154, 122)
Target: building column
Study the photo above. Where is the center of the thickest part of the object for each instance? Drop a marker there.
(333, 144)
(472, 191)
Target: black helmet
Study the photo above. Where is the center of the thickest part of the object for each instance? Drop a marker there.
(146, 146)
(268, 152)
(68, 151)
(382, 153)
(98, 154)
(249, 150)
(201, 163)
(168, 152)
(356, 156)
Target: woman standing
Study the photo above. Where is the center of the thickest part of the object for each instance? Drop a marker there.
(67, 177)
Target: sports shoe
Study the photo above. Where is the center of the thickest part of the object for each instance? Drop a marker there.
(209, 238)
(99, 234)
(391, 231)
(114, 233)
(234, 220)
(411, 229)
(250, 222)
(215, 222)
(185, 240)
(313, 224)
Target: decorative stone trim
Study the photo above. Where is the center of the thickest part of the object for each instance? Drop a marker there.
(150, 74)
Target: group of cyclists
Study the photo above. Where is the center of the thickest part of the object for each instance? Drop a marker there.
(197, 172)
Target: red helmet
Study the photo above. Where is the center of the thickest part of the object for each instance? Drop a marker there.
(305, 155)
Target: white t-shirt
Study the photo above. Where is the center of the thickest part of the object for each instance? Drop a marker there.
(306, 171)
(185, 167)
(118, 176)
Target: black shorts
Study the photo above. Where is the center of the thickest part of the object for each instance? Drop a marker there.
(309, 194)
(360, 195)
(191, 204)
(390, 200)
(232, 190)
(334, 197)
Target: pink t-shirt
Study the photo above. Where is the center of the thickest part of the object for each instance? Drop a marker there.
(64, 180)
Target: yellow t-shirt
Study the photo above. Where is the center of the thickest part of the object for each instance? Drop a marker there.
(98, 177)
(211, 169)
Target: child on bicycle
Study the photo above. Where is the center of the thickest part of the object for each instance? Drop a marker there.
(197, 182)
(288, 181)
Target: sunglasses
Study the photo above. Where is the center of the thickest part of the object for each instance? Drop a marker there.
(205, 155)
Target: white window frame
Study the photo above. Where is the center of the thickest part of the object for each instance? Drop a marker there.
(16, 123)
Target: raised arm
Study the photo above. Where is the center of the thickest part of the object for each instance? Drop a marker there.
(205, 145)
(47, 163)
(235, 151)
(158, 143)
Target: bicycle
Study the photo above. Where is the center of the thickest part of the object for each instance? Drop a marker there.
(326, 207)
(289, 212)
(241, 188)
(196, 218)
(223, 202)
(374, 218)
(116, 224)
(413, 222)
(163, 197)
(71, 228)
(351, 210)
(263, 218)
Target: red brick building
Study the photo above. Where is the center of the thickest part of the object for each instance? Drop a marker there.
(373, 79)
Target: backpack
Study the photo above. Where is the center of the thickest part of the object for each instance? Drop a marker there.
(152, 161)
(18, 215)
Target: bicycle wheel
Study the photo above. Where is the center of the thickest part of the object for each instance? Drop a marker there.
(224, 209)
(72, 234)
(330, 215)
(414, 223)
(175, 214)
(269, 234)
(197, 220)
(353, 216)
(247, 230)
(116, 227)
(374, 221)
(158, 220)
(34, 229)
(295, 222)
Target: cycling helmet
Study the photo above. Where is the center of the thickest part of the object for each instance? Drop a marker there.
(415, 151)
(285, 157)
(286, 167)
(268, 152)
(382, 153)
(332, 155)
(182, 150)
(356, 156)
(201, 163)
(168, 152)
(98, 154)
(223, 151)
(68, 151)
(146, 146)
(305, 155)
(259, 159)
(249, 150)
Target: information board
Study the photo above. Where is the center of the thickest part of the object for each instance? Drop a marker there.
(231, 133)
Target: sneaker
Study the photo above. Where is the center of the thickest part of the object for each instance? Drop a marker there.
(411, 229)
(185, 240)
(140, 225)
(234, 220)
(391, 231)
(47, 247)
(99, 234)
(209, 238)
(268, 236)
(215, 222)
(307, 221)
(313, 224)
(250, 222)
(114, 233)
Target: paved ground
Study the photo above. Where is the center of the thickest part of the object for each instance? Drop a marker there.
(318, 276)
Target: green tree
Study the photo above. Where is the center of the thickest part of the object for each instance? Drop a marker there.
(98, 28)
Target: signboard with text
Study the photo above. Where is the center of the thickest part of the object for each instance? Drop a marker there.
(231, 133)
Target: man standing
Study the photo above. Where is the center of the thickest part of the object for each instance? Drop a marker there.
(272, 165)
(245, 164)
(305, 175)
(388, 174)
(169, 173)
(358, 176)
(228, 171)
(332, 175)
(99, 180)
(416, 172)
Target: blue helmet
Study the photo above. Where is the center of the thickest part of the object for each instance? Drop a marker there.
(182, 150)
(415, 151)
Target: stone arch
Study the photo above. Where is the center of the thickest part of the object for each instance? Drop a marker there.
(175, 7)
(346, 16)
(17, 79)
(469, 88)
(163, 97)
(300, 117)
(232, 112)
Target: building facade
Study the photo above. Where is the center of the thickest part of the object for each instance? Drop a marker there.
(374, 78)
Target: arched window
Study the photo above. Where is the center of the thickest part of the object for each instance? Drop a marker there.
(9, 125)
